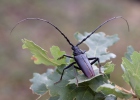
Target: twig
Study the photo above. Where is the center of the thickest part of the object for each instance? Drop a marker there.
(126, 91)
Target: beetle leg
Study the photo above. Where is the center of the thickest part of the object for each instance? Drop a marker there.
(77, 67)
(92, 58)
(63, 71)
(96, 59)
(64, 56)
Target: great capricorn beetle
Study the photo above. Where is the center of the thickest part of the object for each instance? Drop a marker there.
(79, 55)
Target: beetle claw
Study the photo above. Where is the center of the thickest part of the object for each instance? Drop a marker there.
(60, 58)
(56, 82)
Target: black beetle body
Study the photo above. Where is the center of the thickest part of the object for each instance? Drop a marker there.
(84, 65)
(83, 62)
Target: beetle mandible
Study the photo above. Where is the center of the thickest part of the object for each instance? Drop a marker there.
(79, 55)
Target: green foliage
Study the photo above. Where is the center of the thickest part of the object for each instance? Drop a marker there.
(111, 97)
(109, 68)
(131, 68)
(98, 44)
(110, 89)
(129, 52)
(40, 55)
(88, 90)
(39, 86)
(96, 88)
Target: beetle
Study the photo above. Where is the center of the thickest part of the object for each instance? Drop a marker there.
(79, 55)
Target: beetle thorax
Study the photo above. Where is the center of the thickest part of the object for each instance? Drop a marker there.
(77, 51)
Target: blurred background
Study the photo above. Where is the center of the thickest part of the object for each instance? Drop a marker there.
(16, 67)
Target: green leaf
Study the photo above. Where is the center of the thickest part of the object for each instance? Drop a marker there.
(109, 68)
(111, 97)
(39, 86)
(132, 72)
(39, 82)
(63, 90)
(71, 91)
(110, 89)
(88, 90)
(82, 78)
(97, 82)
(68, 92)
(40, 55)
(102, 85)
(129, 52)
(56, 53)
(98, 44)
(54, 98)
(99, 96)
(67, 88)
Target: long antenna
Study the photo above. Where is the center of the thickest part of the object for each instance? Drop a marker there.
(102, 25)
(43, 21)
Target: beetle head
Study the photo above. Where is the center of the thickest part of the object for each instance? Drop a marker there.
(77, 51)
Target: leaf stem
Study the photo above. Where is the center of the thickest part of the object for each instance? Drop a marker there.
(126, 91)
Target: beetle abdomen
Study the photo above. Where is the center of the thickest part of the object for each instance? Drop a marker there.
(84, 65)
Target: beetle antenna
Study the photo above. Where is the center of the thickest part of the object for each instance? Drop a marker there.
(102, 25)
(43, 21)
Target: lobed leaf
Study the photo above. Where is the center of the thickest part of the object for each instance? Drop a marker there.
(39, 82)
(110, 89)
(54, 98)
(63, 91)
(98, 44)
(132, 71)
(111, 97)
(40, 55)
(129, 52)
(108, 68)
(88, 89)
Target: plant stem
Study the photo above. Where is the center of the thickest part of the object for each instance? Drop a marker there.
(126, 91)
